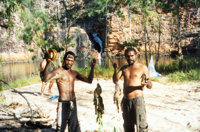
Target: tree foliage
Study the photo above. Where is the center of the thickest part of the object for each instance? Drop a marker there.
(39, 25)
(37, 29)
(7, 8)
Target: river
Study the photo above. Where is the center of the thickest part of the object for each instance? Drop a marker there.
(13, 71)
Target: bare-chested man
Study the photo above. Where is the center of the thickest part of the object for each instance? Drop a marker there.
(65, 78)
(136, 76)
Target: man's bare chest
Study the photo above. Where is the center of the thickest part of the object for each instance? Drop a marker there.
(133, 72)
(67, 76)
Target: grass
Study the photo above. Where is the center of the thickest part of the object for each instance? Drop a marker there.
(99, 72)
(17, 83)
(181, 76)
(20, 82)
(188, 71)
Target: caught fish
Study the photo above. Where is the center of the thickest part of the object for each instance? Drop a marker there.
(143, 78)
(98, 101)
(117, 94)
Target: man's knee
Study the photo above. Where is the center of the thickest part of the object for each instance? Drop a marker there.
(143, 127)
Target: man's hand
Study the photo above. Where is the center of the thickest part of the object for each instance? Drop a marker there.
(115, 66)
(48, 57)
(149, 84)
(93, 62)
(146, 81)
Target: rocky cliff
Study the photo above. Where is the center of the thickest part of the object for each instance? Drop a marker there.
(119, 31)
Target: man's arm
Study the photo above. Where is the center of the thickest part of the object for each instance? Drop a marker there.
(52, 75)
(116, 75)
(90, 77)
(45, 72)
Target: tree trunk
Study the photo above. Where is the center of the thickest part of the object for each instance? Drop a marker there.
(159, 42)
(129, 16)
(179, 36)
(145, 42)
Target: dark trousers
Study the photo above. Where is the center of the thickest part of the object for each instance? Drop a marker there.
(134, 113)
(67, 116)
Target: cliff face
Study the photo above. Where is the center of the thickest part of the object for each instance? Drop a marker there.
(15, 50)
(120, 31)
(11, 47)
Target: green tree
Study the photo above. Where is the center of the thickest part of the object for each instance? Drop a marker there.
(7, 8)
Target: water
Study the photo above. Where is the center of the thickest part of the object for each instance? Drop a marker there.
(13, 71)
(152, 70)
(98, 40)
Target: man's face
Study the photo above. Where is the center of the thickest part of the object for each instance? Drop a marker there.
(69, 62)
(131, 57)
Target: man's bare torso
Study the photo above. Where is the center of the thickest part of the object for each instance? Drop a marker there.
(132, 80)
(65, 83)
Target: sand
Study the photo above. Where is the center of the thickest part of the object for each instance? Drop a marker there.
(170, 108)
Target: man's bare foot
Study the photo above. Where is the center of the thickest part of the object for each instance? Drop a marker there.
(49, 92)
(42, 94)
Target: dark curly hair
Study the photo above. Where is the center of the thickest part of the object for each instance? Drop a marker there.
(66, 54)
(129, 49)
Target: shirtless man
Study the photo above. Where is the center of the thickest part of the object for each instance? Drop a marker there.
(43, 64)
(65, 78)
(136, 76)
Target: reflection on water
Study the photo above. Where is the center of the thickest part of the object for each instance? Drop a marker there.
(15, 71)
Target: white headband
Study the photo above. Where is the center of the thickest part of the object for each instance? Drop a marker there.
(70, 56)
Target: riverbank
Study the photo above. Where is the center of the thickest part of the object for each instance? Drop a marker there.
(170, 108)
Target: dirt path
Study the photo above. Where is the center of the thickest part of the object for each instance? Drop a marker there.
(172, 108)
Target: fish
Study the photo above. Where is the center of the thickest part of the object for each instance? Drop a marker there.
(143, 78)
(98, 101)
(117, 95)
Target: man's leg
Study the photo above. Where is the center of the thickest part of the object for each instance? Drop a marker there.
(50, 86)
(141, 123)
(73, 122)
(62, 116)
(42, 88)
(128, 115)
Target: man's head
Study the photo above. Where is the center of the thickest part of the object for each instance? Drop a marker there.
(68, 59)
(131, 55)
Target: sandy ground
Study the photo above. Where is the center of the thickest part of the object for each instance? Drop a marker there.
(170, 108)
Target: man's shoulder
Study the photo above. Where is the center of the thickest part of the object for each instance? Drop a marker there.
(140, 65)
(124, 67)
(73, 71)
(59, 69)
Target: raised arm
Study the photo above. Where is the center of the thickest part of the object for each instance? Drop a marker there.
(90, 77)
(55, 74)
(116, 75)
